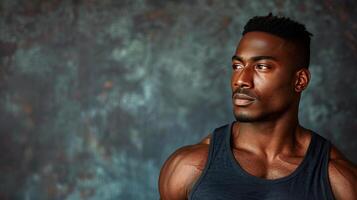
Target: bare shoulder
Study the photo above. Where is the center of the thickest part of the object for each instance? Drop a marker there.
(182, 169)
(342, 175)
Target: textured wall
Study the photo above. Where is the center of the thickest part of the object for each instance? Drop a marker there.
(95, 94)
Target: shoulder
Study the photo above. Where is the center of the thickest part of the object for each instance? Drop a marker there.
(342, 175)
(182, 169)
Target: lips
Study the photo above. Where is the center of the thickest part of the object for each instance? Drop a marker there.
(242, 99)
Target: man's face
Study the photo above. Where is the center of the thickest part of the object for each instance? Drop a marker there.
(263, 77)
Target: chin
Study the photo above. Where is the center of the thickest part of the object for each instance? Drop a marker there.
(245, 117)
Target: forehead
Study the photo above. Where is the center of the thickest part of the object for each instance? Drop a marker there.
(263, 44)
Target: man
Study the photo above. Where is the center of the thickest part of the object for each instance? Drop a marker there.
(265, 153)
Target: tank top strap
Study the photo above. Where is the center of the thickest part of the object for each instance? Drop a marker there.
(218, 139)
(318, 155)
(216, 153)
(317, 166)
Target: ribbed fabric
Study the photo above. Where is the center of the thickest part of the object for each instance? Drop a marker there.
(224, 179)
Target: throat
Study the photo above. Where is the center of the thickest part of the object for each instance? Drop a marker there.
(266, 141)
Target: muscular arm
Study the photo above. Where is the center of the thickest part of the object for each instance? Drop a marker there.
(343, 176)
(181, 170)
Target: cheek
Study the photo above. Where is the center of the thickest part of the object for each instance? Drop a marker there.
(274, 89)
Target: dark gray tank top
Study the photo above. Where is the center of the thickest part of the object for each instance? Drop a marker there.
(224, 179)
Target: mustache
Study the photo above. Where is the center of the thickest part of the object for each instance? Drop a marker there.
(245, 91)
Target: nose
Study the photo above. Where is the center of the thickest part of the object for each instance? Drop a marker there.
(243, 78)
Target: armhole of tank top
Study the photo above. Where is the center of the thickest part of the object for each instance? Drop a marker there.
(204, 172)
(326, 172)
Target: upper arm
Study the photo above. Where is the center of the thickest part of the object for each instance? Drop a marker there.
(181, 170)
(343, 176)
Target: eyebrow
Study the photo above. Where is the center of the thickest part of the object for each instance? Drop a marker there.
(256, 58)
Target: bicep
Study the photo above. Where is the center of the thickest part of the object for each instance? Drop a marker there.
(343, 177)
(177, 176)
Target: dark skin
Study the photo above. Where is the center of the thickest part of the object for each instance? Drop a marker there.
(268, 141)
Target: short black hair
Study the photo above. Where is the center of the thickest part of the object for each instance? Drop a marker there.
(285, 28)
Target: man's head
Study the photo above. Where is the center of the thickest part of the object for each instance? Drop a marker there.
(270, 66)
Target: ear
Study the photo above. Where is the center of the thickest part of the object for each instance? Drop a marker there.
(302, 79)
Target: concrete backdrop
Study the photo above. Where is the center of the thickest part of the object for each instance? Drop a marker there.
(95, 94)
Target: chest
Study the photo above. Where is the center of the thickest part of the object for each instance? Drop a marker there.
(261, 167)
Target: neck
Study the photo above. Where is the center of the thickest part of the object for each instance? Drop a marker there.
(268, 138)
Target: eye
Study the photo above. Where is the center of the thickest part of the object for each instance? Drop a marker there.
(262, 66)
(237, 66)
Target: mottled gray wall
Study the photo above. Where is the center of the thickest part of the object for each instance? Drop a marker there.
(95, 94)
